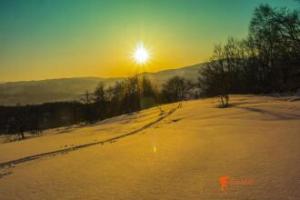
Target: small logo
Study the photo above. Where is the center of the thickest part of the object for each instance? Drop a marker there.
(226, 181)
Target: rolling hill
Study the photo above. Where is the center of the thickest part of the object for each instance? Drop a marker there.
(183, 153)
(64, 89)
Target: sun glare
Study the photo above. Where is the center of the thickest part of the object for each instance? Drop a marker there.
(141, 55)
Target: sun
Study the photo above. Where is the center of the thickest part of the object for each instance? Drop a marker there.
(141, 54)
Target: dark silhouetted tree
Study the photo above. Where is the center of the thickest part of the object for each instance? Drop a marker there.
(100, 102)
(174, 89)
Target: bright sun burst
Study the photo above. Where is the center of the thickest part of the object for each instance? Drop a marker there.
(141, 55)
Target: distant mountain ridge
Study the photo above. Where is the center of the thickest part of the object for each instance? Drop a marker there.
(66, 89)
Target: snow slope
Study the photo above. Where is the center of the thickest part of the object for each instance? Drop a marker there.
(183, 153)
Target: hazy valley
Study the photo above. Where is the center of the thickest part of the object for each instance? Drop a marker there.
(69, 89)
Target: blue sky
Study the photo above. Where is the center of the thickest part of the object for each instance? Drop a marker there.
(66, 38)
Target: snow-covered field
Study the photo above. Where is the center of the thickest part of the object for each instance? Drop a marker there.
(248, 151)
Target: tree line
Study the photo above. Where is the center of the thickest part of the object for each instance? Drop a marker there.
(268, 60)
(131, 95)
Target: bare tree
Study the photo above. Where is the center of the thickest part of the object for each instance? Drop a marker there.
(174, 89)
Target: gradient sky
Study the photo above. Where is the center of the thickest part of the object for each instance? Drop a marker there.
(42, 39)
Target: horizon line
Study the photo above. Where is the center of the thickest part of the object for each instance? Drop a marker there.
(103, 77)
